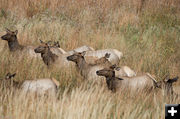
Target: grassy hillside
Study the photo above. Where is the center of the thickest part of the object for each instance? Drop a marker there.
(146, 31)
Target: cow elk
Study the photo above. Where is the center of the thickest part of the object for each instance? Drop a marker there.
(88, 71)
(14, 46)
(36, 86)
(119, 71)
(51, 59)
(114, 58)
(136, 83)
(144, 82)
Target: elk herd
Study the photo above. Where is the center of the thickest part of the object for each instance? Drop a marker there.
(93, 65)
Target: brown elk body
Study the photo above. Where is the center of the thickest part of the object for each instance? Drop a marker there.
(137, 83)
(51, 59)
(131, 83)
(37, 86)
(88, 71)
(119, 71)
(14, 46)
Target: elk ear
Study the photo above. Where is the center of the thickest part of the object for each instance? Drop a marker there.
(48, 45)
(41, 41)
(83, 53)
(113, 66)
(117, 68)
(7, 30)
(13, 75)
(8, 75)
(107, 55)
(58, 45)
(118, 78)
(16, 32)
(172, 80)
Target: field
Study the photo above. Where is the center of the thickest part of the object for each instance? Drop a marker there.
(146, 31)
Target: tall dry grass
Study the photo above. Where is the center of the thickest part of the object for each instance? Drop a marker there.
(146, 31)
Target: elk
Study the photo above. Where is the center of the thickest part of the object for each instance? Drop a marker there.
(88, 71)
(114, 58)
(167, 85)
(137, 83)
(79, 49)
(103, 60)
(49, 58)
(92, 55)
(55, 47)
(14, 46)
(119, 71)
(111, 81)
(38, 86)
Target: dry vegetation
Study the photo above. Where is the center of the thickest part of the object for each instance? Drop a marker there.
(146, 31)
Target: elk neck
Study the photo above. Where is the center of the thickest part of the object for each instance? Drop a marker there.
(48, 57)
(14, 45)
